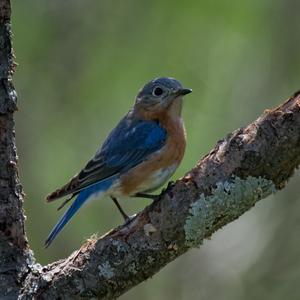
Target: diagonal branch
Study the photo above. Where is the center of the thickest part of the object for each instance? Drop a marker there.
(246, 166)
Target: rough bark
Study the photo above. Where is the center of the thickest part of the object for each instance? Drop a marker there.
(14, 254)
(244, 167)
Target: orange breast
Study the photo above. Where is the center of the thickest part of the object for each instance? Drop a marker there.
(162, 164)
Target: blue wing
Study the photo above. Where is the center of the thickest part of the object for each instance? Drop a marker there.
(130, 143)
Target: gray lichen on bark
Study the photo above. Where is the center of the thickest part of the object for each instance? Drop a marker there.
(106, 270)
(227, 199)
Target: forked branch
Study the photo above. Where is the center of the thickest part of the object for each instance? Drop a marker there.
(246, 166)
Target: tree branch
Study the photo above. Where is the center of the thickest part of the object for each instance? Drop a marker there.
(15, 256)
(246, 166)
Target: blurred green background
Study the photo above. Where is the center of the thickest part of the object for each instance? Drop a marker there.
(81, 64)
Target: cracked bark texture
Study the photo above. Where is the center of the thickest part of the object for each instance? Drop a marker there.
(15, 256)
(244, 167)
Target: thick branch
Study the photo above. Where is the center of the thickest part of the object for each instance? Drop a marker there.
(15, 256)
(246, 166)
(11, 217)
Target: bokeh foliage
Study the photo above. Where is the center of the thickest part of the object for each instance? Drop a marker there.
(81, 64)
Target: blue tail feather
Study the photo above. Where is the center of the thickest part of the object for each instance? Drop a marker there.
(83, 196)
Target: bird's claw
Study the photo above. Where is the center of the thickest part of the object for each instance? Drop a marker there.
(128, 220)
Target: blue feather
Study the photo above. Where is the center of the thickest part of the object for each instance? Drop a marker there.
(130, 143)
(83, 196)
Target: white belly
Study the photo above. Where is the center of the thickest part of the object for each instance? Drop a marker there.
(157, 179)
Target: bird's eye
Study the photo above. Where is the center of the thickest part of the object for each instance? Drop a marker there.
(157, 91)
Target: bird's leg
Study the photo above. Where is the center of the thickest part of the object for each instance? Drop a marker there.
(124, 215)
(154, 197)
(148, 196)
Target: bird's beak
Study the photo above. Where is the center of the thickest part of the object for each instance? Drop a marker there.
(182, 92)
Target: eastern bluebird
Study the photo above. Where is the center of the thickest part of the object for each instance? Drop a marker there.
(138, 156)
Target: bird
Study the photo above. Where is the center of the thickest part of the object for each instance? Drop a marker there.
(139, 155)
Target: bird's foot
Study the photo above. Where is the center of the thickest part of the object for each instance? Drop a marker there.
(170, 183)
(154, 197)
(128, 220)
(148, 196)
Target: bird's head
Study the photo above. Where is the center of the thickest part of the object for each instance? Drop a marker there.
(161, 94)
